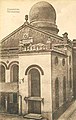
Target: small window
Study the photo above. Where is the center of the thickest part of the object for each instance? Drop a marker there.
(56, 60)
(63, 61)
(69, 60)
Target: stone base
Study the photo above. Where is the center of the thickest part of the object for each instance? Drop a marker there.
(33, 116)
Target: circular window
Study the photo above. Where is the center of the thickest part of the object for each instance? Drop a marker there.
(63, 61)
(56, 60)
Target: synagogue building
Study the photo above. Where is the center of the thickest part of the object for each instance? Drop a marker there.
(37, 67)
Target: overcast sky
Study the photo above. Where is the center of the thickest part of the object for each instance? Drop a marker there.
(9, 21)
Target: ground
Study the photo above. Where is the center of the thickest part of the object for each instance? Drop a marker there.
(69, 114)
(73, 116)
(11, 117)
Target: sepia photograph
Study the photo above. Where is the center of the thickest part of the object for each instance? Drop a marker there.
(38, 60)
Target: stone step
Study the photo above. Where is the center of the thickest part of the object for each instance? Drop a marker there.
(33, 116)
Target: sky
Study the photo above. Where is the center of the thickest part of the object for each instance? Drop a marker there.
(12, 15)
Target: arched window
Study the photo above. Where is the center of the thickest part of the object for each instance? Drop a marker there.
(34, 106)
(34, 82)
(56, 60)
(14, 72)
(2, 73)
(64, 89)
(70, 78)
(57, 93)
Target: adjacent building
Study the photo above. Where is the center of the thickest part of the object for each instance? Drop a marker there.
(74, 67)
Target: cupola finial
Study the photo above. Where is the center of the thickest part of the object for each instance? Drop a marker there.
(26, 18)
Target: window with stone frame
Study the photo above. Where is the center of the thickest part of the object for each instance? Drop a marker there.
(2, 73)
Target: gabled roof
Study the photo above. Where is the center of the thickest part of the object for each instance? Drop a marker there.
(15, 31)
(12, 40)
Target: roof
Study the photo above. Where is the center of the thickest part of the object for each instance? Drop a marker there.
(12, 40)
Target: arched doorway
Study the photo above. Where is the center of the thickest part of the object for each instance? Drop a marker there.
(34, 90)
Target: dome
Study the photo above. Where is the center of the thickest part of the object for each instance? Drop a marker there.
(42, 11)
(43, 14)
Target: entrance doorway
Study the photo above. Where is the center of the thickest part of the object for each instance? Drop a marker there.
(34, 91)
(12, 104)
(34, 107)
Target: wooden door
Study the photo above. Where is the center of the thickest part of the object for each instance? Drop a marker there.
(34, 107)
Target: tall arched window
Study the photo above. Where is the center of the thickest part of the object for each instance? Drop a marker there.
(2, 73)
(14, 73)
(34, 106)
(70, 78)
(34, 82)
(64, 89)
(57, 93)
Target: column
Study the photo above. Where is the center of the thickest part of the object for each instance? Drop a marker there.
(20, 104)
(6, 102)
(7, 75)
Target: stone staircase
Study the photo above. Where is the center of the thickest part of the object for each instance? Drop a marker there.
(32, 116)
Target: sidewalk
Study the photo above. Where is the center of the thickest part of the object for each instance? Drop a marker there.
(70, 113)
(11, 117)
